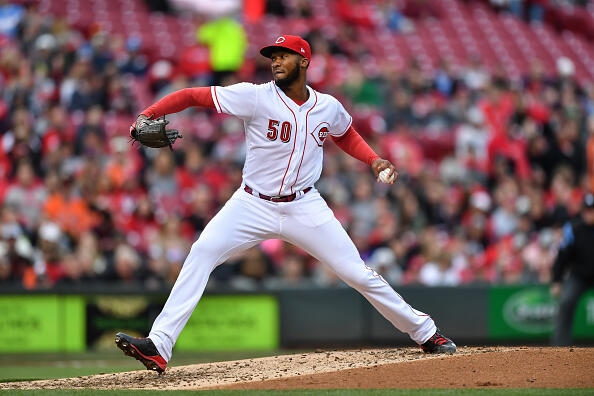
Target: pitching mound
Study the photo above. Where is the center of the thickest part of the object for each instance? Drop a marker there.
(499, 367)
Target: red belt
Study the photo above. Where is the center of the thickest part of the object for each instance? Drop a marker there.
(275, 198)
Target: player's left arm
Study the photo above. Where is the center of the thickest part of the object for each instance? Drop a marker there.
(353, 144)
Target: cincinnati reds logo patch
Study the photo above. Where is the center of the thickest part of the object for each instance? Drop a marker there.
(279, 40)
(321, 133)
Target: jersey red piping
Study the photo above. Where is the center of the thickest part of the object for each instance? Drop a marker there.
(376, 275)
(323, 122)
(347, 128)
(220, 109)
(305, 144)
(294, 141)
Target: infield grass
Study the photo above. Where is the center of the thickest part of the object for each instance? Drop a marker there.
(314, 392)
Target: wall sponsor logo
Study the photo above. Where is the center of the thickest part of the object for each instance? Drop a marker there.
(232, 322)
(41, 323)
(531, 311)
(590, 311)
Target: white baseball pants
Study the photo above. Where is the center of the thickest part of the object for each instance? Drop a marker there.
(307, 222)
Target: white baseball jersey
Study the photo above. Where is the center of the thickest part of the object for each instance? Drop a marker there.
(284, 140)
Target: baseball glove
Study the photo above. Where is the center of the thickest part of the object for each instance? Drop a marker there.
(153, 133)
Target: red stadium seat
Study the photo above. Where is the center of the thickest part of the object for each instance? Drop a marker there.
(457, 31)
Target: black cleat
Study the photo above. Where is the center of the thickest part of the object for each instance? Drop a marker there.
(438, 343)
(143, 350)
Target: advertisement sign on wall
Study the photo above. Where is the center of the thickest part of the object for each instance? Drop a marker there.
(45, 323)
(51, 323)
(108, 314)
(517, 312)
(232, 323)
(583, 325)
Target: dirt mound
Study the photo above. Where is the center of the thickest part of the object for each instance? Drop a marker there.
(370, 368)
(518, 368)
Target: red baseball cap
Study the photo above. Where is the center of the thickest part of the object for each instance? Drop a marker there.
(293, 43)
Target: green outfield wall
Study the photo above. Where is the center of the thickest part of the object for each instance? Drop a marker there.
(76, 320)
(42, 323)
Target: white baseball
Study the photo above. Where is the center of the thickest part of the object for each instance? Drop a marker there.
(383, 176)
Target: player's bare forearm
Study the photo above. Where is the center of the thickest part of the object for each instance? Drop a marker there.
(380, 165)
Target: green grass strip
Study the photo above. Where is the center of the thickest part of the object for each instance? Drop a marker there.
(13, 374)
(27, 367)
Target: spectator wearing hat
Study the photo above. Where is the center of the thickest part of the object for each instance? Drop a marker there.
(574, 256)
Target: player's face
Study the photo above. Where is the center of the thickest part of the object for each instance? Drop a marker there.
(286, 67)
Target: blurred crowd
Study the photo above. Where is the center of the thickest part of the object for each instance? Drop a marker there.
(490, 168)
(572, 15)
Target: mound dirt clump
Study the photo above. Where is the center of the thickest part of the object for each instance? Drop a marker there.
(368, 368)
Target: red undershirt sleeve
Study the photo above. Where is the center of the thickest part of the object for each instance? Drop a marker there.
(180, 100)
(353, 144)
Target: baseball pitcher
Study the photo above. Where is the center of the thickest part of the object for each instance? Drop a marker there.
(286, 125)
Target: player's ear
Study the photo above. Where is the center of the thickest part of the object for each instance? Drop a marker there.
(304, 62)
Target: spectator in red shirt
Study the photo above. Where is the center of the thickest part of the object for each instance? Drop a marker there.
(509, 149)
